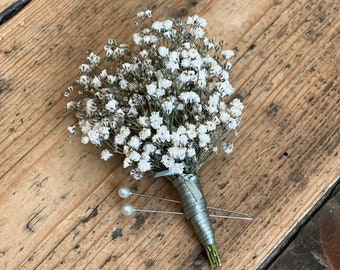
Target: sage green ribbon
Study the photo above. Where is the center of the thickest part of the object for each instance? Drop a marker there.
(194, 204)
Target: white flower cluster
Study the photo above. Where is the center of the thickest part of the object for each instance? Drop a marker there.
(161, 103)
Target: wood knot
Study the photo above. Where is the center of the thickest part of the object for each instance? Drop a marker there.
(181, 11)
(183, 8)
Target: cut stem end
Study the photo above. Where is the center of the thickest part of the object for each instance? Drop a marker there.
(213, 255)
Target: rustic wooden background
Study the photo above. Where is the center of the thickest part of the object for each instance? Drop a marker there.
(59, 207)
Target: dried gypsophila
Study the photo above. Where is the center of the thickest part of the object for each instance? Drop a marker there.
(161, 103)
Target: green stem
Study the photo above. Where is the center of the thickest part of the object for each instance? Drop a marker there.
(213, 255)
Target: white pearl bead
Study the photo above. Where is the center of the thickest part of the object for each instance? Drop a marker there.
(128, 210)
(124, 192)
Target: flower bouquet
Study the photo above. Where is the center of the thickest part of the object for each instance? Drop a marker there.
(163, 104)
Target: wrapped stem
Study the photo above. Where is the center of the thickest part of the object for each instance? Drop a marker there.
(195, 210)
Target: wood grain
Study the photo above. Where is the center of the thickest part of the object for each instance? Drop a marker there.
(5, 4)
(58, 201)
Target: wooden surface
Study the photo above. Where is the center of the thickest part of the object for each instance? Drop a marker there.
(5, 4)
(58, 201)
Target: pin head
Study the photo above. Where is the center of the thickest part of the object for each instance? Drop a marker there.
(124, 192)
(127, 209)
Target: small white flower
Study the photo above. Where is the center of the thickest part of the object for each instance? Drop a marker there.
(177, 168)
(225, 88)
(201, 22)
(85, 68)
(167, 161)
(162, 135)
(72, 129)
(167, 25)
(106, 154)
(144, 133)
(144, 121)
(111, 106)
(136, 174)
(211, 126)
(148, 13)
(158, 26)
(173, 66)
(94, 137)
(168, 106)
(204, 139)
(151, 89)
(144, 165)
(164, 83)
(191, 152)
(228, 54)
(84, 80)
(163, 51)
(174, 56)
(134, 156)
(90, 106)
(155, 120)
(127, 162)
(71, 105)
(85, 139)
(103, 74)
(140, 15)
(236, 107)
(228, 65)
(134, 142)
(123, 84)
(177, 152)
(93, 59)
(119, 139)
(124, 131)
(227, 147)
(215, 70)
(137, 38)
(202, 129)
(191, 132)
(96, 82)
(233, 124)
(189, 97)
(185, 62)
(225, 117)
(149, 148)
(111, 79)
(198, 32)
(147, 39)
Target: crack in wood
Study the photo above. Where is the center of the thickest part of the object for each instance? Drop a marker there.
(12, 10)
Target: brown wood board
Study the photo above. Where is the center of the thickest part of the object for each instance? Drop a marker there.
(5, 4)
(58, 200)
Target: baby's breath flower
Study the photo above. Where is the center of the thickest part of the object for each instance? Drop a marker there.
(158, 26)
(228, 54)
(93, 59)
(163, 51)
(144, 165)
(72, 128)
(189, 97)
(165, 99)
(155, 120)
(134, 142)
(84, 68)
(144, 133)
(168, 106)
(227, 147)
(106, 154)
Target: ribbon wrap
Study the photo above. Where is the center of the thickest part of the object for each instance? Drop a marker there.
(195, 206)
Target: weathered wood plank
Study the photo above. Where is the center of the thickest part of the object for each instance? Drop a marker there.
(58, 201)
